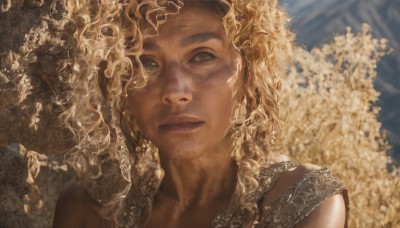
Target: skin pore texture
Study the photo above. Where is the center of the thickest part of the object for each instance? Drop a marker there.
(185, 110)
(189, 100)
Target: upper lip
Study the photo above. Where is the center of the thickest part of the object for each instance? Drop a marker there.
(180, 119)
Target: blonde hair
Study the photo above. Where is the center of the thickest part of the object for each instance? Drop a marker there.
(111, 159)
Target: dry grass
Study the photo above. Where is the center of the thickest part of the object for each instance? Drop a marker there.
(331, 118)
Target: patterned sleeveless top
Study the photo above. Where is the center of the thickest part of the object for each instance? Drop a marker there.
(290, 208)
(293, 205)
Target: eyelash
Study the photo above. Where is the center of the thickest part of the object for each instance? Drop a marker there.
(211, 57)
(145, 59)
(147, 64)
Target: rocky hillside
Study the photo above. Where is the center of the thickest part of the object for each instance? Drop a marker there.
(318, 21)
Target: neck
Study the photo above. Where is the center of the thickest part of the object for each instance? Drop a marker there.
(197, 182)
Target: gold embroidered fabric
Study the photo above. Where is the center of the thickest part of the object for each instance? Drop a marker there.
(267, 179)
(290, 208)
(300, 200)
(293, 205)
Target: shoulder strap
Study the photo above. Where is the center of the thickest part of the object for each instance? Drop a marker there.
(301, 199)
(267, 177)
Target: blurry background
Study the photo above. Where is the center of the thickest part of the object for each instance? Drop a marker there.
(317, 21)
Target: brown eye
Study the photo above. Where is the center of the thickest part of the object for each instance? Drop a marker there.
(202, 57)
(149, 64)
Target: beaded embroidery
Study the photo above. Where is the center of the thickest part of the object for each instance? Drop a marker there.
(291, 207)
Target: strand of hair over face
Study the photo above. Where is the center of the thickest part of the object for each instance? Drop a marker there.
(110, 40)
(95, 102)
(259, 30)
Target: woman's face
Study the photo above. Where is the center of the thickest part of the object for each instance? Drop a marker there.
(186, 106)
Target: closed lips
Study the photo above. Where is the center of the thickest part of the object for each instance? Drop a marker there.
(181, 121)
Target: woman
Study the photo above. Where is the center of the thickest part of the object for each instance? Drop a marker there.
(199, 111)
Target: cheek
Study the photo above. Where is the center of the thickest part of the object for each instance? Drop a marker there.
(227, 105)
(224, 104)
(133, 105)
(223, 111)
(220, 88)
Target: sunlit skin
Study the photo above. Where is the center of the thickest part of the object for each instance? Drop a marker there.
(185, 110)
(186, 106)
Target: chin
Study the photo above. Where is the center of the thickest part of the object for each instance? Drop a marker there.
(182, 152)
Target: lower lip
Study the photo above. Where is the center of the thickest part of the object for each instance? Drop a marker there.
(181, 128)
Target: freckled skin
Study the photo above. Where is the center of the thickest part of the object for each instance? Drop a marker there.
(206, 86)
(193, 75)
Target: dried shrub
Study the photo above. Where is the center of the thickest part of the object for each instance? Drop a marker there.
(329, 106)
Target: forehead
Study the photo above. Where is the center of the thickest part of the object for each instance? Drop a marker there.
(193, 17)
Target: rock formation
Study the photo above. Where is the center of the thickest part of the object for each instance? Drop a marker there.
(35, 59)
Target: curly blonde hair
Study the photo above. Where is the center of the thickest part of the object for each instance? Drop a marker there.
(110, 158)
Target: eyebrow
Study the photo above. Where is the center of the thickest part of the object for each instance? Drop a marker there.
(150, 46)
(200, 38)
(196, 38)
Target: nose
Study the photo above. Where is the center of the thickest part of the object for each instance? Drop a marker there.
(177, 86)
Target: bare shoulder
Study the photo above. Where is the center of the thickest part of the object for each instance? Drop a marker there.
(329, 212)
(71, 206)
(288, 179)
(74, 194)
(75, 208)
